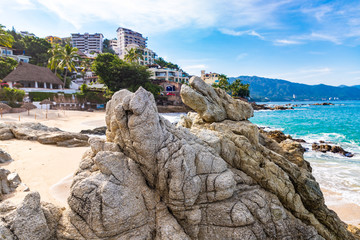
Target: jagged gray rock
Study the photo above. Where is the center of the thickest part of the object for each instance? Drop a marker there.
(42, 134)
(8, 182)
(211, 180)
(213, 104)
(4, 156)
(31, 220)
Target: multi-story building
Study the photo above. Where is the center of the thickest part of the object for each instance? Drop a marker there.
(114, 45)
(147, 56)
(170, 80)
(15, 54)
(126, 36)
(27, 34)
(88, 43)
(169, 75)
(209, 78)
(53, 39)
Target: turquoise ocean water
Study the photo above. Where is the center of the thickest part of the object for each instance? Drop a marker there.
(339, 124)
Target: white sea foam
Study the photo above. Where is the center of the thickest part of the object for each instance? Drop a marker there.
(172, 117)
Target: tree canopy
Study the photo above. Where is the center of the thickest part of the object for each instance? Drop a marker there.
(36, 48)
(106, 47)
(133, 55)
(6, 66)
(6, 39)
(63, 58)
(118, 74)
(235, 89)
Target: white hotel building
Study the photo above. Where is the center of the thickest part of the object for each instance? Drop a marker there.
(88, 43)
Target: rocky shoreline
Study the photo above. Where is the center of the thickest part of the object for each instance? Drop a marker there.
(213, 176)
(322, 146)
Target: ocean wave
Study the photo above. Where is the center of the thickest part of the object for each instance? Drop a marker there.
(172, 117)
(339, 178)
(268, 129)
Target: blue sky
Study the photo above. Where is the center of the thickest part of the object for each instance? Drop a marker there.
(304, 41)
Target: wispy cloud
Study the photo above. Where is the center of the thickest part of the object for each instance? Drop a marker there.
(306, 73)
(163, 15)
(240, 33)
(281, 42)
(241, 56)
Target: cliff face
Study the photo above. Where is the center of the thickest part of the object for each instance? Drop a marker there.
(214, 176)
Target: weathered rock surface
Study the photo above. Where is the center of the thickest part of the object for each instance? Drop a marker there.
(206, 180)
(42, 134)
(8, 182)
(4, 156)
(31, 220)
(256, 106)
(95, 131)
(203, 179)
(324, 147)
(213, 104)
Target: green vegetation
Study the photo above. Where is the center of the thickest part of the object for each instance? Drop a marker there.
(6, 66)
(164, 64)
(11, 95)
(235, 89)
(36, 48)
(63, 58)
(118, 74)
(92, 96)
(106, 47)
(133, 55)
(6, 39)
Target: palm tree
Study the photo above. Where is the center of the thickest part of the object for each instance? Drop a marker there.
(6, 39)
(54, 60)
(67, 59)
(133, 55)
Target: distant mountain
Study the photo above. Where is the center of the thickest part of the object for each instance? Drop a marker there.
(356, 86)
(262, 89)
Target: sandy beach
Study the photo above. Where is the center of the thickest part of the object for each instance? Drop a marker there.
(48, 169)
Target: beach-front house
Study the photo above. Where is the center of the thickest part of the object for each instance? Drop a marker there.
(15, 54)
(32, 78)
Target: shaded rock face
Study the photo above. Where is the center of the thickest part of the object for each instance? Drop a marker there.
(324, 147)
(8, 182)
(31, 220)
(213, 104)
(95, 131)
(42, 134)
(4, 156)
(200, 180)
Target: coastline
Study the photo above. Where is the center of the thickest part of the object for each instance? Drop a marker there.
(48, 169)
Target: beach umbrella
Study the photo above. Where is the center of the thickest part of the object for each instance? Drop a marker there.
(28, 106)
(4, 107)
(46, 101)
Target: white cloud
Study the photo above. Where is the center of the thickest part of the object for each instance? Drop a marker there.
(240, 33)
(163, 15)
(280, 42)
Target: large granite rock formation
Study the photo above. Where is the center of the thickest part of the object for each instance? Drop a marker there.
(211, 177)
(42, 134)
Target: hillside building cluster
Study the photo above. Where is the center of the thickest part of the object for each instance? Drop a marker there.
(89, 46)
